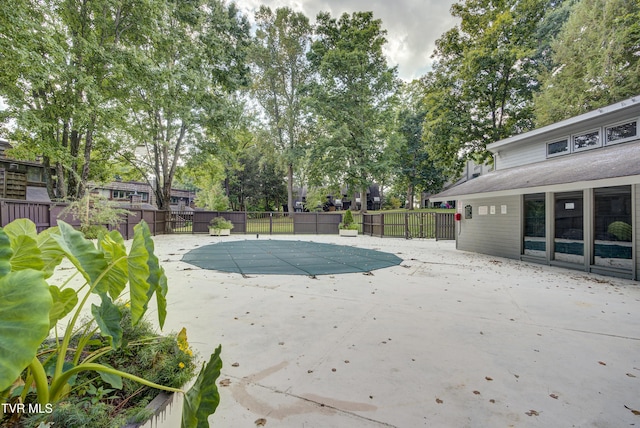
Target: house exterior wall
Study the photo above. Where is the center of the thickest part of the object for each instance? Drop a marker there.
(636, 229)
(521, 155)
(495, 234)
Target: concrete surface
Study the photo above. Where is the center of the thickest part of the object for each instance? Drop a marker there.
(446, 339)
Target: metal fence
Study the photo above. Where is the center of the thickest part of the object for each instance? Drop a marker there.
(440, 226)
(400, 225)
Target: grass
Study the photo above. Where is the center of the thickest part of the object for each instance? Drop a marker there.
(419, 222)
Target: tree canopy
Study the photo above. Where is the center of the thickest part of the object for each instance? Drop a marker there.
(96, 88)
(352, 98)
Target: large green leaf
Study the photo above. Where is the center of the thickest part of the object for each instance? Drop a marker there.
(5, 254)
(108, 317)
(50, 250)
(89, 261)
(115, 254)
(139, 287)
(21, 226)
(26, 254)
(203, 398)
(161, 297)
(157, 279)
(25, 303)
(63, 302)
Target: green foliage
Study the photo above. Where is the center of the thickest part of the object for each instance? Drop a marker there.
(283, 38)
(415, 170)
(481, 89)
(352, 100)
(592, 68)
(30, 308)
(220, 223)
(97, 402)
(347, 221)
(95, 213)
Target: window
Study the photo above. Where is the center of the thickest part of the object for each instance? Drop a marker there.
(534, 225)
(586, 141)
(558, 148)
(569, 232)
(612, 245)
(621, 133)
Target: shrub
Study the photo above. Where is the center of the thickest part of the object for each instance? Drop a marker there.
(220, 223)
(347, 221)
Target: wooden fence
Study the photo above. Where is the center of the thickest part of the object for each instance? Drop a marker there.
(47, 214)
(399, 225)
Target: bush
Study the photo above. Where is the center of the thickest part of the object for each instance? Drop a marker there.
(220, 223)
(347, 221)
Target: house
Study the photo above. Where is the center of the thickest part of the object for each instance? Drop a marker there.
(22, 180)
(566, 194)
(25, 180)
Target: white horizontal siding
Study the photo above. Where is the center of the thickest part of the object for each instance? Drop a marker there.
(495, 234)
(521, 155)
(636, 229)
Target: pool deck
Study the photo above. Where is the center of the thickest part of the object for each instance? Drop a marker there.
(445, 339)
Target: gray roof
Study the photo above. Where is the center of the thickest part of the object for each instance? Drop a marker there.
(37, 194)
(621, 160)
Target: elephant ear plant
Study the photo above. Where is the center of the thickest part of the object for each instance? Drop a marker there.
(31, 308)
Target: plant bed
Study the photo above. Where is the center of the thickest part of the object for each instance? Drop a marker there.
(348, 227)
(97, 372)
(220, 226)
(348, 232)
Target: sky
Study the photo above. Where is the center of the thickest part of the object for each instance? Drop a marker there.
(412, 26)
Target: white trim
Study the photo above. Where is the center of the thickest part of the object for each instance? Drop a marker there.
(623, 140)
(559, 140)
(613, 109)
(563, 187)
(575, 149)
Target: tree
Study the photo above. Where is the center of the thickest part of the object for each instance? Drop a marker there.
(352, 97)
(414, 168)
(482, 85)
(195, 59)
(62, 65)
(282, 73)
(595, 60)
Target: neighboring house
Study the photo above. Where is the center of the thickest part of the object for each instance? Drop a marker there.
(139, 194)
(22, 180)
(567, 194)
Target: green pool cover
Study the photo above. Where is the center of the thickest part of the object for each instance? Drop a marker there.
(288, 258)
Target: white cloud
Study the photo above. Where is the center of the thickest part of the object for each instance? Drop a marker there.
(412, 26)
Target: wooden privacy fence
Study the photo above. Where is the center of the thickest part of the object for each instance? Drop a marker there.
(399, 225)
(47, 214)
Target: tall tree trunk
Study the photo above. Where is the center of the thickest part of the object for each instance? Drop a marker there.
(410, 197)
(48, 179)
(74, 150)
(290, 188)
(88, 146)
(363, 199)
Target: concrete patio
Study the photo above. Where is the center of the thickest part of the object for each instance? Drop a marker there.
(445, 339)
